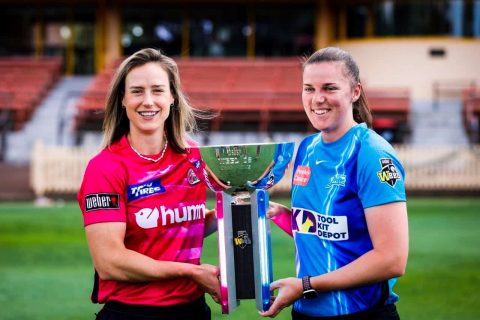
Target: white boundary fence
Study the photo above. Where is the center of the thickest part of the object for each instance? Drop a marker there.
(430, 168)
(57, 169)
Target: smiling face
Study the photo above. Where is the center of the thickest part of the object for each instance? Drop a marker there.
(147, 99)
(327, 98)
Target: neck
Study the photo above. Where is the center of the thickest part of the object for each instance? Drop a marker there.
(151, 144)
(334, 135)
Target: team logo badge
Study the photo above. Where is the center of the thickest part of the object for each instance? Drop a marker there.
(337, 180)
(242, 239)
(99, 201)
(389, 173)
(192, 177)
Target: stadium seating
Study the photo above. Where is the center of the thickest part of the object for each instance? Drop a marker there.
(257, 95)
(24, 82)
(390, 109)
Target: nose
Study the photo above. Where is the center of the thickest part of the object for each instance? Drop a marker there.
(148, 100)
(319, 97)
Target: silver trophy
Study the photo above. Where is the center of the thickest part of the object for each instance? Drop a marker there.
(240, 175)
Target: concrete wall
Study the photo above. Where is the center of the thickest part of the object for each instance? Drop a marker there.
(408, 63)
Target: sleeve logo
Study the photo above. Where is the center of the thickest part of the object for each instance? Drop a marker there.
(389, 173)
(98, 201)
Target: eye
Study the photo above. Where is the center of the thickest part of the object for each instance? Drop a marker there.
(330, 88)
(308, 89)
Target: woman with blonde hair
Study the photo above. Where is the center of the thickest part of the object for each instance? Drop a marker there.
(143, 207)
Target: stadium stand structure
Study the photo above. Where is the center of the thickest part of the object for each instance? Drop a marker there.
(24, 82)
(262, 95)
(391, 112)
(471, 113)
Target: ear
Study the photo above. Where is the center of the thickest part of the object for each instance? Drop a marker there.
(356, 92)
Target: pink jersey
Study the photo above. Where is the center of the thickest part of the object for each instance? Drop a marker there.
(163, 205)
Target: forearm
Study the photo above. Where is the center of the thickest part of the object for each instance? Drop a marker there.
(371, 267)
(129, 265)
(388, 229)
(114, 261)
(281, 216)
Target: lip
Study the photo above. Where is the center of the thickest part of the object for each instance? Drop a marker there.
(320, 112)
(147, 114)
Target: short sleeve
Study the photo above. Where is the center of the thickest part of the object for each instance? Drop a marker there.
(380, 175)
(102, 194)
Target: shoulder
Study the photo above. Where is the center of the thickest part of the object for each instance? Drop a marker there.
(107, 161)
(309, 140)
(372, 144)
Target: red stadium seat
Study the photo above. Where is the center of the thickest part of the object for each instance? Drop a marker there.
(26, 80)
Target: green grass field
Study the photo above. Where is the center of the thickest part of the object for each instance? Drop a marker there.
(46, 271)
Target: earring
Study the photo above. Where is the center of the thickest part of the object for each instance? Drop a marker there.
(172, 106)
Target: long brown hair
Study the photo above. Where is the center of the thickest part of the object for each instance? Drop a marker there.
(361, 110)
(179, 123)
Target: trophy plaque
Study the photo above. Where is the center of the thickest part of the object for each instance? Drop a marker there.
(240, 176)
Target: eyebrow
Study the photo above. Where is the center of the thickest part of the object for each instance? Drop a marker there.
(323, 84)
(156, 86)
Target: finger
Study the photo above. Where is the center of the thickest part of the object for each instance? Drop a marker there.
(215, 297)
(275, 308)
(274, 285)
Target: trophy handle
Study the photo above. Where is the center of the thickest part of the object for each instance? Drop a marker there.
(228, 290)
(262, 253)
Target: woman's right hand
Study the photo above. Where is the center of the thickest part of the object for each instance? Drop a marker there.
(207, 276)
(275, 209)
(281, 216)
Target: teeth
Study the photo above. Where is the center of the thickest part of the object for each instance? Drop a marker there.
(320, 112)
(148, 113)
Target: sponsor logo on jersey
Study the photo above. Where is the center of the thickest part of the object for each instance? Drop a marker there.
(192, 177)
(145, 189)
(242, 239)
(389, 173)
(302, 176)
(100, 201)
(148, 218)
(337, 180)
(333, 228)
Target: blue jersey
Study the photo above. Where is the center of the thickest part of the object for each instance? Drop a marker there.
(332, 185)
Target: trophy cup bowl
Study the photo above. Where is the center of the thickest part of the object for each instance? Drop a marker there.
(240, 175)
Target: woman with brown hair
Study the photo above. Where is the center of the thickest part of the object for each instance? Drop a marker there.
(348, 209)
